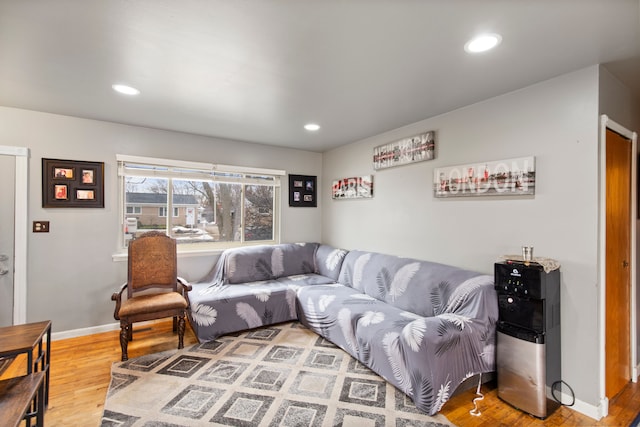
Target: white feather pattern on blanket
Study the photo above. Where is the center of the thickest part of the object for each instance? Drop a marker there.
(372, 318)
(334, 258)
(466, 288)
(324, 302)
(344, 320)
(391, 343)
(413, 333)
(358, 270)
(401, 280)
(291, 301)
(248, 314)
(277, 262)
(203, 314)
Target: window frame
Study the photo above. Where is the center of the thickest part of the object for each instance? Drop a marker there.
(185, 170)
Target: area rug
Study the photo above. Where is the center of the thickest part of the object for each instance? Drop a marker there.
(283, 375)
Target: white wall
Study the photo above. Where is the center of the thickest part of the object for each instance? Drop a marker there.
(620, 106)
(557, 122)
(71, 274)
(617, 102)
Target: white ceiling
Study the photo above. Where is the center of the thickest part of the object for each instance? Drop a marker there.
(259, 70)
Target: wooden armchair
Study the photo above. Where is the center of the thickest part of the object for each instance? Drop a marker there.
(154, 290)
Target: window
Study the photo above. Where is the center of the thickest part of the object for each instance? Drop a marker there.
(162, 211)
(134, 210)
(213, 206)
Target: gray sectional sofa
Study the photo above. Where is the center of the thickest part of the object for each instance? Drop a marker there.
(424, 327)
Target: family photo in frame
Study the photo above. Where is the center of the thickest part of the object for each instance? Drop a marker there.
(72, 184)
(302, 191)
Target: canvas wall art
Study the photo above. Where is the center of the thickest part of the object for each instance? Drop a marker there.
(512, 177)
(353, 188)
(408, 150)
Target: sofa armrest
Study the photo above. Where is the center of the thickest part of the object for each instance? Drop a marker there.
(475, 298)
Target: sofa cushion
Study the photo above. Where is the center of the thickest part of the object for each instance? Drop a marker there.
(329, 261)
(267, 262)
(298, 258)
(219, 310)
(421, 287)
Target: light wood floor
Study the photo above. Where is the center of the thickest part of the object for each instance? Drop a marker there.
(80, 375)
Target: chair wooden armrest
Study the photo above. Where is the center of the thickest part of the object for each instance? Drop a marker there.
(186, 287)
(117, 297)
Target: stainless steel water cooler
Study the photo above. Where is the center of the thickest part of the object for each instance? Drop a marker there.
(528, 336)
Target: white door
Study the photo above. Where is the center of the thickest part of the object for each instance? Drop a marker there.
(14, 177)
(7, 238)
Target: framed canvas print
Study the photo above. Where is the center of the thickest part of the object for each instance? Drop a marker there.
(357, 187)
(417, 148)
(72, 184)
(511, 177)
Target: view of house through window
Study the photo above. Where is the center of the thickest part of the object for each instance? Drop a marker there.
(209, 208)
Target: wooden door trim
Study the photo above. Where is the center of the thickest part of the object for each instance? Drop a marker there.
(607, 123)
(21, 228)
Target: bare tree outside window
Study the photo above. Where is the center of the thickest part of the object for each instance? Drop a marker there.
(258, 212)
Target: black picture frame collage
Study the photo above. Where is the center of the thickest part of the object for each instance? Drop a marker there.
(72, 184)
(303, 191)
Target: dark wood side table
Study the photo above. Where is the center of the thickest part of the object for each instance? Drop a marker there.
(16, 396)
(30, 339)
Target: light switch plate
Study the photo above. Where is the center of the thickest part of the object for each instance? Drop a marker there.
(40, 226)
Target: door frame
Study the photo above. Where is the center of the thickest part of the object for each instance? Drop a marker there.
(607, 123)
(20, 221)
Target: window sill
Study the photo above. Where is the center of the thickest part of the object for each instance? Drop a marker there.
(122, 256)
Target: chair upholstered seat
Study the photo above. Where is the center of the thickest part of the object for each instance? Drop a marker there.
(145, 304)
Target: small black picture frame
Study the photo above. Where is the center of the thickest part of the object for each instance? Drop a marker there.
(302, 191)
(72, 184)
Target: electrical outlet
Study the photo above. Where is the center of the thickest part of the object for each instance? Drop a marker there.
(40, 226)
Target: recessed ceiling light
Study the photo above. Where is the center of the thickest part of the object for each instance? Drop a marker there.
(124, 89)
(312, 127)
(482, 43)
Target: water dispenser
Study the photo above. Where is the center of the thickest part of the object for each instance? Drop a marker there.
(528, 336)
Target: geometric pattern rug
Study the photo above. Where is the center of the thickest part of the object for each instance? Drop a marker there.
(276, 376)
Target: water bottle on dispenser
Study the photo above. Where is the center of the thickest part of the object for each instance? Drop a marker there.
(528, 335)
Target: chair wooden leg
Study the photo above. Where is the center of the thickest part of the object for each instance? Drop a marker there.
(175, 323)
(125, 330)
(181, 327)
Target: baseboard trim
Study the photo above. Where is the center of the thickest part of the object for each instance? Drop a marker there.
(591, 411)
(74, 333)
